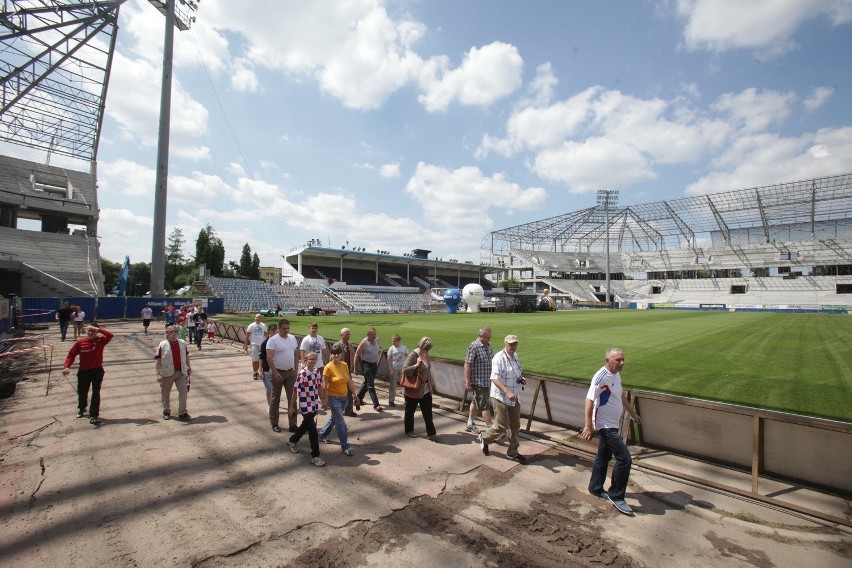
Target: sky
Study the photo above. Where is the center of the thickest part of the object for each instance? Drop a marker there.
(402, 124)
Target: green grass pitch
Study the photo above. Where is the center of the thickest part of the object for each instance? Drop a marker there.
(797, 363)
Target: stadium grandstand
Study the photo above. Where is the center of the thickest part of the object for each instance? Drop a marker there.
(782, 245)
(319, 279)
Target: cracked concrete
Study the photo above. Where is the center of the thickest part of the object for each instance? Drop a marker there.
(225, 491)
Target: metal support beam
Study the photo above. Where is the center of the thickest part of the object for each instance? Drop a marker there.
(719, 221)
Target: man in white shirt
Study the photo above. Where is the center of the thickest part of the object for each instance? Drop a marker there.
(282, 353)
(147, 314)
(507, 377)
(606, 401)
(314, 343)
(255, 334)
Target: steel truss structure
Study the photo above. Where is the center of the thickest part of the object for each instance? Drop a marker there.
(796, 210)
(55, 61)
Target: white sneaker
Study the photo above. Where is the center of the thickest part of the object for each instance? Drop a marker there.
(318, 461)
(348, 451)
(292, 447)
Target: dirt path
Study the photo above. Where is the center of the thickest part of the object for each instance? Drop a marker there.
(223, 490)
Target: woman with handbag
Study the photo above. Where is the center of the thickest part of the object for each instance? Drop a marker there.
(416, 379)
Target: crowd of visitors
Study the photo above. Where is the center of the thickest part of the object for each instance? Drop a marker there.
(313, 376)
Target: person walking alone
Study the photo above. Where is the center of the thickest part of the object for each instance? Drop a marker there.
(91, 370)
(171, 362)
(606, 401)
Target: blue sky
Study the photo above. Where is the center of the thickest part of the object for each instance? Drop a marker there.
(426, 124)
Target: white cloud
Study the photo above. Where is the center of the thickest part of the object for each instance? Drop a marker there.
(603, 138)
(763, 159)
(236, 168)
(138, 82)
(353, 49)
(243, 77)
(544, 84)
(596, 163)
(390, 170)
(767, 26)
(542, 127)
(124, 229)
(817, 98)
(457, 202)
(129, 178)
(752, 111)
(486, 75)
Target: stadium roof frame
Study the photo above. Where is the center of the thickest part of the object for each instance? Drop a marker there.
(685, 222)
(57, 60)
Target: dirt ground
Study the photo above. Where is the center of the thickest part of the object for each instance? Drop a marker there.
(224, 490)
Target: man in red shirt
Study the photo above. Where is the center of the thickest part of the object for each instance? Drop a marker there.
(91, 371)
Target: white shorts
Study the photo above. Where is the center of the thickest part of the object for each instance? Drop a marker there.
(254, 351)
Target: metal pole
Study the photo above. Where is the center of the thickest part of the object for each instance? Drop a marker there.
(606, 213)
(607, 197)
(158, 248)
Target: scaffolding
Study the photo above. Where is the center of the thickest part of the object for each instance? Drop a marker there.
(54, 70)
(794, 211)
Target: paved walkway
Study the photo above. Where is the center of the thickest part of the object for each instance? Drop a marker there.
(224, 490)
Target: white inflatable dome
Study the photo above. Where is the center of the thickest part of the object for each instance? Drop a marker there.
(473, 295)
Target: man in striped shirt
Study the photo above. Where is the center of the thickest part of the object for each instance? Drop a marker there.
(477, 378)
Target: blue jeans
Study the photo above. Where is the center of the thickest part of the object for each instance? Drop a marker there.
(337, 404)
(63, 328)
(267, 381)
(610, 444)
(369, 371)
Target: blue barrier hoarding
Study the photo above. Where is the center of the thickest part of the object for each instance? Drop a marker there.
(43, 310)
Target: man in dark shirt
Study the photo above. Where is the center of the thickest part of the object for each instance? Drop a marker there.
(63, 316)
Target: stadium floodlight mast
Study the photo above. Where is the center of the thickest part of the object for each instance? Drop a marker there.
(181, 18)
(608, 198)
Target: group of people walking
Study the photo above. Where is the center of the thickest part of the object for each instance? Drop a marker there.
(190, 321)
(314, 377)
(69, 314)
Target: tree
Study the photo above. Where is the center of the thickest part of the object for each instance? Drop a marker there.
(111, 270)
(255, 266)
(139, 279)
(217, 258)
(174, 258)
(210, 251)
(245, 261)
(202, 246)
(510, 285)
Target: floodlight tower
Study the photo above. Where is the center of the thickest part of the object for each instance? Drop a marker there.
(607, 198)
(182, 18)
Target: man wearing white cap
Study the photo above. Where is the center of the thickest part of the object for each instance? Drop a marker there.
(506, 379)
